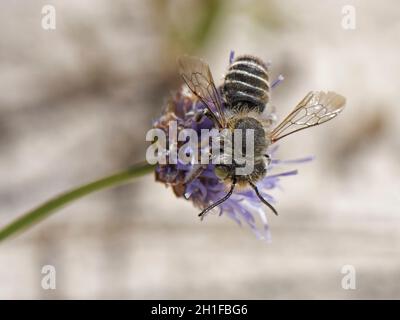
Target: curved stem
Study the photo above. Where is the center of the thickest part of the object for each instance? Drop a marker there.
(48, 207)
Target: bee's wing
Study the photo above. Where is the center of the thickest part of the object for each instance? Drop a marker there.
(197, 75)
(316, 108)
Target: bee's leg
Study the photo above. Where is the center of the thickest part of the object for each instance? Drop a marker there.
(261, 198)
(215, 204)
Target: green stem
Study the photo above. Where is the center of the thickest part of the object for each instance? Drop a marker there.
(44, 210)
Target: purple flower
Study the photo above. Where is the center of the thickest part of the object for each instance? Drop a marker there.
(243, 206)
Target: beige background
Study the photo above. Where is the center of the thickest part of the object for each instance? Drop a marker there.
(75, 104)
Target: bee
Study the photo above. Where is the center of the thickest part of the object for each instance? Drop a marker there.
(240, 104)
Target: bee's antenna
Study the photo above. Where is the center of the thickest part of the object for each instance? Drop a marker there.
(215, 204)
(262, 199)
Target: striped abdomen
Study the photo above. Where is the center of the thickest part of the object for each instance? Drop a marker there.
(247, 82)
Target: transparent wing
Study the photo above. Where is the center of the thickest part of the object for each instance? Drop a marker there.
(197, 75)
(316, 108)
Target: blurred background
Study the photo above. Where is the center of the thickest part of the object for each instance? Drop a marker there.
(76, 102)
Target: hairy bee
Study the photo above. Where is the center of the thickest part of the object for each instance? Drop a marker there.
(239, 105)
